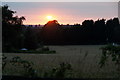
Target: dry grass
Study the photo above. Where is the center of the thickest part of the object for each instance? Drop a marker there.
(83, 58)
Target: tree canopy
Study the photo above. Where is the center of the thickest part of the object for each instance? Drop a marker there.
(11, 29)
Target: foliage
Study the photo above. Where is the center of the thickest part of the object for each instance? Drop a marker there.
(110, 51)
(63, 71)
(4, 62)
(101, 31)
(11, 29)
(15, 35)
(52, 32)
(8, 18)
(18, 62)
(31, 39)
(29, 71)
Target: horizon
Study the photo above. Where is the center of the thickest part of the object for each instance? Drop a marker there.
(75, 23)
(63, 12)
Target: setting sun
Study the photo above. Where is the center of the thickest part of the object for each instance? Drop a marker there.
(49, 17)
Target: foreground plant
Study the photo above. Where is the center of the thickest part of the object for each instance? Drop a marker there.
(4, 62)
(27, 66)
(64, 70)
(18, 62)
(112, 51)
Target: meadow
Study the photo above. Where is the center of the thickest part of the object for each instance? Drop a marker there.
(84, 60)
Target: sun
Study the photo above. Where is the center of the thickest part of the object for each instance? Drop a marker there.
(49, 17)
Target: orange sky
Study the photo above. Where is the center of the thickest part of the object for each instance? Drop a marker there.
(63, 12)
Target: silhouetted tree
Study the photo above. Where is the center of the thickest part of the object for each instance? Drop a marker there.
(11, 29)
(111, 25)
(99, 31)
(87, 30)
(51, 32)
(31, 39)
(90, 32)
(116, 32)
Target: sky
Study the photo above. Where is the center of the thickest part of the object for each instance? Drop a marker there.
(63, 12)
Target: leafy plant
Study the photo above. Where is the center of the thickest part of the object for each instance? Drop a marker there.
(110, 51)
(29, 71)
(4, 62)
(64, 70)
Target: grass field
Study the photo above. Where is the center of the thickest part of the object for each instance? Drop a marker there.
(84, 60)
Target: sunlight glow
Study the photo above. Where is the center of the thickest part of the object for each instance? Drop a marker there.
(49, 17)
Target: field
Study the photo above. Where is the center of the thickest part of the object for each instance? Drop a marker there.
(84, 60)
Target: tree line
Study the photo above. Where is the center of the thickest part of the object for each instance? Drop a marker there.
(90, 32)
(15, 35)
